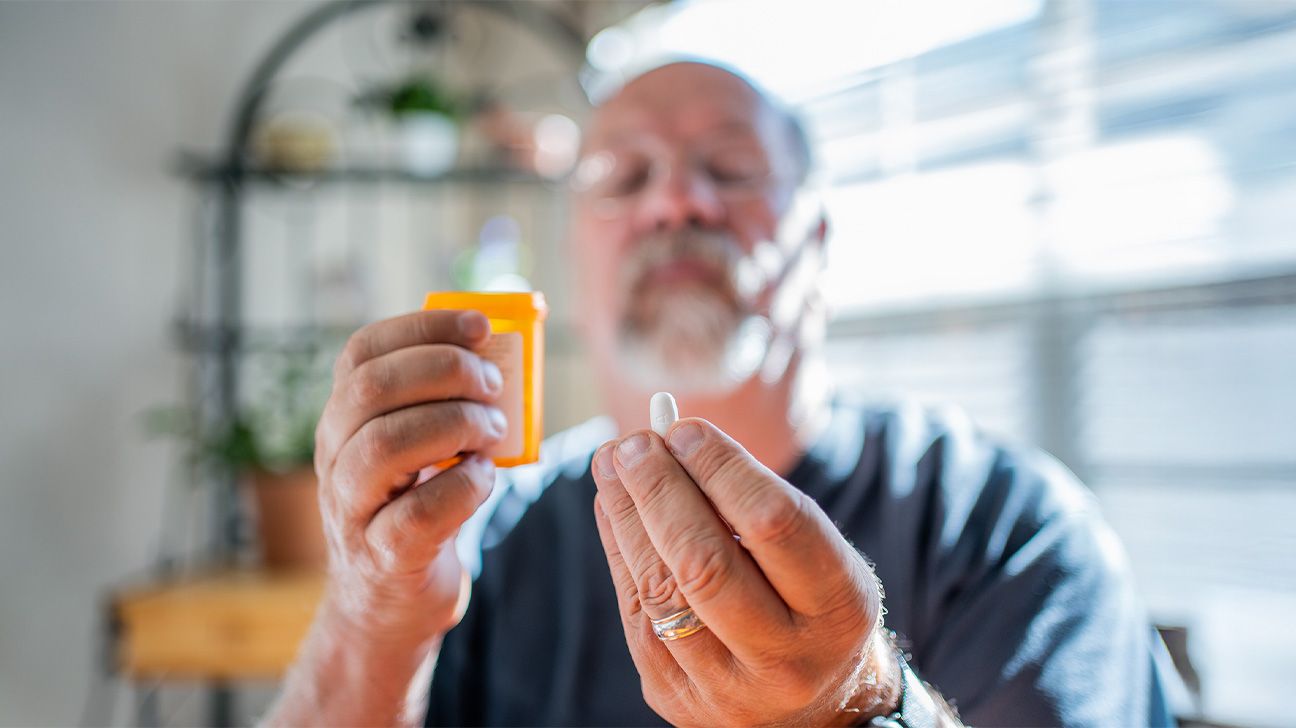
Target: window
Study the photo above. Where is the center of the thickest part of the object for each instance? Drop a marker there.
(1075, 220)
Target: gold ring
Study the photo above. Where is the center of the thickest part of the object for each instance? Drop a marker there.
(677, 626)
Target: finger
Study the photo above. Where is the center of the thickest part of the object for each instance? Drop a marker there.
(407, 533)
(654, 583)
(468, 329)
(651, 658)
(702, 654)
(800, 551)
(385, 453)
(669, 522)
(405, 377)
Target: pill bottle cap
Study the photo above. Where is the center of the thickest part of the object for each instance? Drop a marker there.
(519, 306)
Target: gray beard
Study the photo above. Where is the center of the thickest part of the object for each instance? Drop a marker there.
(697, 342)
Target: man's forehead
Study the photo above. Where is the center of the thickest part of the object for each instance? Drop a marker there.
(683, 99)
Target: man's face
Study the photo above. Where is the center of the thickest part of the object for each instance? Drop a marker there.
(685, 176)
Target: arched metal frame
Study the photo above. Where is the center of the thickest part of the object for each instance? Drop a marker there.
(233, 174)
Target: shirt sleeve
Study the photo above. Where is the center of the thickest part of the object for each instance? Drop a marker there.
(1038, 620)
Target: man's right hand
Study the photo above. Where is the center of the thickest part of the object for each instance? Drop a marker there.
(408, 392)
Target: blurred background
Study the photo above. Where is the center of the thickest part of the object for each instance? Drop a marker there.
(1074, 218)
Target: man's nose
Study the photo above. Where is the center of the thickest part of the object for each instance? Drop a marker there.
(681, 199)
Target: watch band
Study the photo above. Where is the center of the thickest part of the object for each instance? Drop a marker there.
(917, 709)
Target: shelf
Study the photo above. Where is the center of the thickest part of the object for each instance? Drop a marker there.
(202, 169)
(212, 338)
(208, 338)
(223, 626)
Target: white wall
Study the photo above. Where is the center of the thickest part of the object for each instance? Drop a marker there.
(94, 98)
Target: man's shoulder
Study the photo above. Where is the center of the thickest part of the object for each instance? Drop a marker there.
(939, 452)
(961, 500)
(1002, 575)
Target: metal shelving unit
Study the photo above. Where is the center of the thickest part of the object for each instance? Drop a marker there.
(232, 177)
(217, 337)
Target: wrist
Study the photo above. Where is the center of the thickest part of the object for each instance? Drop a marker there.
(876, 685)
(397, 612)
(917, 704)
(372, 632)
(344, 675)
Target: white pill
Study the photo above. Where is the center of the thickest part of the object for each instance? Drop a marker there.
(662, 412)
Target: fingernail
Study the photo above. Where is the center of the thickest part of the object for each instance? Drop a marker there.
(498, 421)
(632, 449)
(603, 461)
(491, 377)
(684, 439)
(473, 325)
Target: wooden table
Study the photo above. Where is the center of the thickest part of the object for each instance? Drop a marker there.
(215, 628)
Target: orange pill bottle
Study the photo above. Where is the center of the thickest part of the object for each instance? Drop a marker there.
(516, 346)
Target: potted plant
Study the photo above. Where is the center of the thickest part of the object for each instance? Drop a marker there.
(269, 445)
(427, 116)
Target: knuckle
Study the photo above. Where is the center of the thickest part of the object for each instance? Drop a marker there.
(653, 486)
(438, 507)
(383, 552)
(337, 491)
(730, 465)
(411, 517)
(656, 585)
(354, 352)
(776, 520)
(483, 432)
(330, 510)
(718, 460)
(370, 382)
(460, 416)
(703, 569)
(859, 596)
(377, 442)
(319, 463)
(619, 507)
(458, 365)
(465, 423)
(630, 598)
(660, 701)
(322, 452)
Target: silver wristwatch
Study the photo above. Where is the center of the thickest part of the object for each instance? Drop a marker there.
(917, 709)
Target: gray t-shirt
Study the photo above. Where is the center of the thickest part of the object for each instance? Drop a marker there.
(1011, 595)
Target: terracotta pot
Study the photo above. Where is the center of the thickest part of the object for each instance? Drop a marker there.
(288, 520)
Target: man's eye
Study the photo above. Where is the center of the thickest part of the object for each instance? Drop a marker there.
(737, 168)
(626, 178)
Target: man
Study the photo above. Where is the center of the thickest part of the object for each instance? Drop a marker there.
(716, 575)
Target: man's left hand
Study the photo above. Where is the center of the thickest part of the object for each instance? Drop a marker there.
(792, 609)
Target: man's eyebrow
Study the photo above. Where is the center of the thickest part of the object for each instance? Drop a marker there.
(730, 127)
(727, 128)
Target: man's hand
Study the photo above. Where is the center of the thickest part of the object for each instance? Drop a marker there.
(408, 392)
(792, 609)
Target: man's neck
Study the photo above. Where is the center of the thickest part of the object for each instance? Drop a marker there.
(773, 421)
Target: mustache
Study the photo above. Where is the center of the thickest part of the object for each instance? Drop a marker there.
(714, 250)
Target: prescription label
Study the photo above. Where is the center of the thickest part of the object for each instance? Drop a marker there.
(505, 350)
